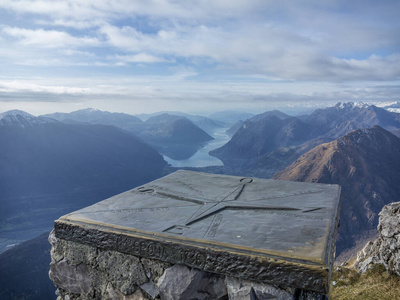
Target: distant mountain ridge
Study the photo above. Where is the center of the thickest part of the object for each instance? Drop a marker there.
(95, 116)
(235, 127)
(167, 128)
(48, 168)
(265, 135)
(340, 119)
(366, 163)
(230, 116)
(18, 118)
(255, 145)
(175, 136)
(207, 124)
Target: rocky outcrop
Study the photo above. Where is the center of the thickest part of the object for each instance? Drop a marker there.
(386, 248)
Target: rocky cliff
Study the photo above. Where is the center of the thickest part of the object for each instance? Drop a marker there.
(385, 249)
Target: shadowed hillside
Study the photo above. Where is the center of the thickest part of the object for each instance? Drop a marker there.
(48, 168)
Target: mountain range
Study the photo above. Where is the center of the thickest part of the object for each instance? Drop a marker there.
(173, 135)
(270, 144)
(48, 168)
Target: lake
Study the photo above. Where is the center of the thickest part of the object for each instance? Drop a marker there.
(201, 157)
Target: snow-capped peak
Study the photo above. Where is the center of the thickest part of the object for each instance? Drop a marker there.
(87, 110)
(348, 105)
(15, 113)
(18, 117)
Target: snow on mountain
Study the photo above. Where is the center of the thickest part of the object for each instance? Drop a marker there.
(351, 105)
(14, 113)
(19, 118)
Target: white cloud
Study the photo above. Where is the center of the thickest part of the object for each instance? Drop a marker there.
(13, 86)
(140, 58)
(223, 50)
(48, 38)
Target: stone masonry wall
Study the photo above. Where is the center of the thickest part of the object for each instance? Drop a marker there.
(84, 272)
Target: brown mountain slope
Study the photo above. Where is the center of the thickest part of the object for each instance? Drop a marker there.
(366, 163)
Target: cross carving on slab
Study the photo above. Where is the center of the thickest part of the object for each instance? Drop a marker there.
(229, 200)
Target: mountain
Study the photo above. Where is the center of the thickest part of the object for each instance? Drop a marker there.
(206, 124)
(94, 116)
(174, 136)
(235, 127)
(366, 163)
(18, 118)
(394, 105)
(255, 139)
(48, 168)
(24, 271)
(275, 113)
(342, 118)
(166, 128)
(230, 117)
(273, 144)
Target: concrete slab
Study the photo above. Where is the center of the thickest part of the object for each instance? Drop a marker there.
(270, 231)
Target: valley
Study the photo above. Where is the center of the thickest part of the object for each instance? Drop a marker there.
(58, 163)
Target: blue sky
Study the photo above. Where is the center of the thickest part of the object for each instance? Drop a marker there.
(139, 56)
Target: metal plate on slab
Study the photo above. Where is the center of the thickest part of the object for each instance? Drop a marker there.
(272, 231)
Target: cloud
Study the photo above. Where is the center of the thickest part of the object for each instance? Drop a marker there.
(140, 58)
(48, 38)
(223, 50)
(13, 86)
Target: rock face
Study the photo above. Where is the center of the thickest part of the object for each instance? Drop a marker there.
(386, 248)
(84, 272)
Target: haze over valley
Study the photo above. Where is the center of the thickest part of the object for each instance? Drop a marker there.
(57, 163)
(99, 97)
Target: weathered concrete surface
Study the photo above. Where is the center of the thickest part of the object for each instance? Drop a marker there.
(286, 235)
(386, 248)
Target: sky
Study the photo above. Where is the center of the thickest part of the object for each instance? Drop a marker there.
(143, 56)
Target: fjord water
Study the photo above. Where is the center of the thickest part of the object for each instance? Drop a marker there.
(201, 158)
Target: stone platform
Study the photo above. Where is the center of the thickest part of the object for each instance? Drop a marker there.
(269, 233)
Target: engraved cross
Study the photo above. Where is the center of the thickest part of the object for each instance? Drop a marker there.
(231, 200)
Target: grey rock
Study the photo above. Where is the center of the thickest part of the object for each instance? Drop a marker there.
(74, 279)
(368, 257)
(150, 288)
(114, 294)
(154, 268)
(181, 283)
(389, 220)
(386, 248)
(83, 272)
(125, 271)
(247, 290)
